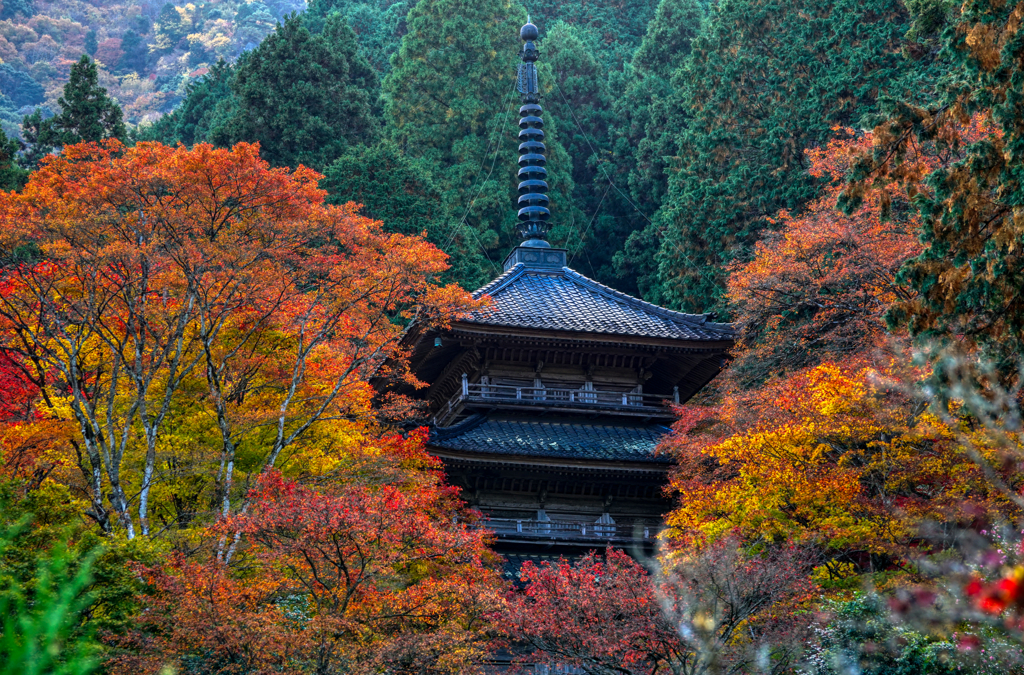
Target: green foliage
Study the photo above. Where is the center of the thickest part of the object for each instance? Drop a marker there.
(391, 187)
(451, 102)
(579, 110)
(87, 113)
(91, 44)
(206, 102)
(379, 25)
(648, 124)
(766, 80)
(11, 9)
(31, 128)
(968, 278)
(650, 106)
(170, 26)
(669, 35)
(12, 177)
(305, 97)
(58, 585)
(135, 52)
(39, 633)
(617, 25)
(19, 87)
(861, 638)
(48, 520)
(398, 190)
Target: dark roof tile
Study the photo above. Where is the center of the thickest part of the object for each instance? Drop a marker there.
(563, 299)
(553, 439)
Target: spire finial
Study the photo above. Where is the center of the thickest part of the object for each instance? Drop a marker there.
(533, 188)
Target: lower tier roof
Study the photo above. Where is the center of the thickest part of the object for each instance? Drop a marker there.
(578, 440)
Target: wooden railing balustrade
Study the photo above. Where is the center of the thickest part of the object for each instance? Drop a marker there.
(510, 396)
(567, 529)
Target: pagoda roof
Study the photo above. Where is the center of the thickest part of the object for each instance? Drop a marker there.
(553, 439)
(564, 300)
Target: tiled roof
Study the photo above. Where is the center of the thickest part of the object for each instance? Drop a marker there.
(563, 299)
(552, 439)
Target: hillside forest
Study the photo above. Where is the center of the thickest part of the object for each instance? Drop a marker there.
(218, 218)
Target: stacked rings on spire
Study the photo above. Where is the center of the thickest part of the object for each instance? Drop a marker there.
(533, 198)
(532, 201)
(533, 188)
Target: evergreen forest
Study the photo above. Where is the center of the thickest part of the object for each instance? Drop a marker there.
(221, 220)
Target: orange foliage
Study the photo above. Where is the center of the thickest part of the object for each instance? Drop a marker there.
(27, 440)
(199, 291)
(819, 286)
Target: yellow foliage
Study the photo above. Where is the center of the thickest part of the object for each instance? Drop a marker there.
(831, 456)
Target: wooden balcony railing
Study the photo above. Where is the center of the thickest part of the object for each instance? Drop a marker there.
(554, 398)
(567, 529)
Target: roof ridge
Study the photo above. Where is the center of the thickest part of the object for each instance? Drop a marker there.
(499, 282)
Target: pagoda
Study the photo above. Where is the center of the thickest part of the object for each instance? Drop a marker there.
(546, 406)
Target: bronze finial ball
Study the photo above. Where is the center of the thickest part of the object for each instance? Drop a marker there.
(529, 32)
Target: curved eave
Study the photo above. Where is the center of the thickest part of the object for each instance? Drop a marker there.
(480, 329)
(658, 464)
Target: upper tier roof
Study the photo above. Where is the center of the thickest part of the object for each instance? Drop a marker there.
(563, 299)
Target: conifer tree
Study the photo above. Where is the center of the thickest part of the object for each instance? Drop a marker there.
(207, 104)
(619, 25)
(378, 25)
(968, 280)
(391, 187)
(20, 87)
(766, 80)
(87, 114)
(12, 177)
(170, 27)
(451, 101)
(135, 52)
(579, 109)
(91, 43)
(650, 103)
(648, 127)
(305, 97)
(397, 190)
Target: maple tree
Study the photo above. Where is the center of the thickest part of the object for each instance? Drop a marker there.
(837, 456)
(24, 439)
(818, 435)
(376, 569)
(704, 610)
(203, 286)
(820, 286)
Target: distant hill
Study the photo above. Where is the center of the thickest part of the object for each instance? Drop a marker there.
(149, 51)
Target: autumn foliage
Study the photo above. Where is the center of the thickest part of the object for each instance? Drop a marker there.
(377, 568)
(194, 305)
(186, 340)
(708, 609)
(820, 285)
(819, 435)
